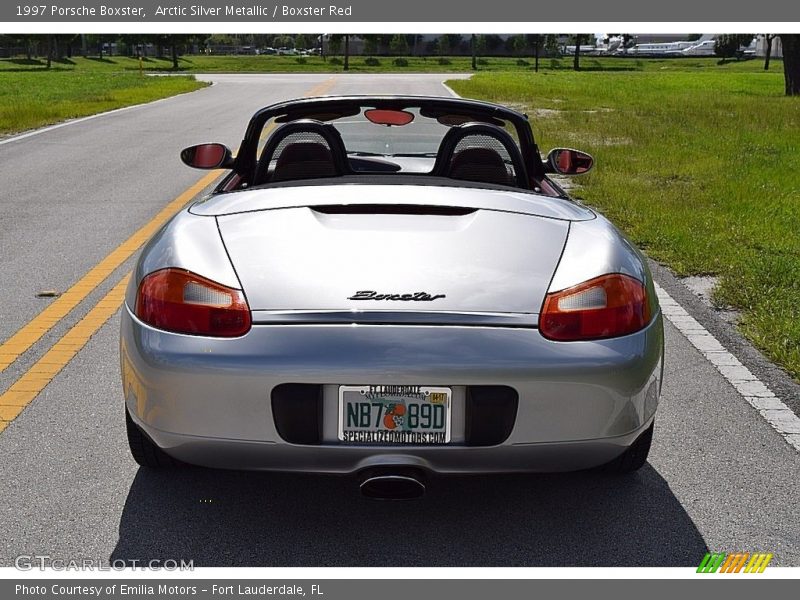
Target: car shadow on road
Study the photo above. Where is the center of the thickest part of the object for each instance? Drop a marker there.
(226, 518)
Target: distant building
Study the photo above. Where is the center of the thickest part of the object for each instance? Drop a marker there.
(761, 46)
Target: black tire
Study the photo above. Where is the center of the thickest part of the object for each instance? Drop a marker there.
(144, 451)
(634, 458)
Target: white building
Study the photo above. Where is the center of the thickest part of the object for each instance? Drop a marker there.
(761, 46)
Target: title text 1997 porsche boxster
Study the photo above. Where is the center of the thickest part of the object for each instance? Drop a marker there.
(390, 286)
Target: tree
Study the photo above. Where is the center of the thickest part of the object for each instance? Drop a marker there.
(551, 45)
(768, 37)
(415, 38)
(370, 44)
(347, 52)
(579, 39)
(480, 44)
(728, 46)
(301, 42)
(335, 43)
(173, 41)
(517, 45)
(398, 44)
(29, 41)
(442, 47)
(473, 43)
(492, 42)
(284, 41)
(534, 41)
(454, 42)
(791, 63)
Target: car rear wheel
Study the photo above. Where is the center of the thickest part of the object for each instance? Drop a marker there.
(144, 451)
(634, 457)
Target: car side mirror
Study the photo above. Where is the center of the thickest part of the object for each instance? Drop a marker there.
(208, 156)
(566, 161)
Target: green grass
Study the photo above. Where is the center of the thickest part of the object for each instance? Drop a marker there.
(315, 64)
(701, 169)
(699, 162)
(33, 98)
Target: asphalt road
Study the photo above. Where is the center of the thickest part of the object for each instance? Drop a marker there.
(719, 477)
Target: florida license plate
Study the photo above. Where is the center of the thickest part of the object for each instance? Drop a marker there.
(394, 414)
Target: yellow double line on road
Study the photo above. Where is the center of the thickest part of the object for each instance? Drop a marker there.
(35, 379)
(31, 333)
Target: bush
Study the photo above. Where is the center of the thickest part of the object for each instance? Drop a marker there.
(400, 62)
(521, 62)
(371, 61)
(301, 60)
(445, 61)
(335, 60)
(483, 62)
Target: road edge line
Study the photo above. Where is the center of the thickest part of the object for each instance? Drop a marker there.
(755, 392)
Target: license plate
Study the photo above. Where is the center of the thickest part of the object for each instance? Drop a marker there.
(394, 414)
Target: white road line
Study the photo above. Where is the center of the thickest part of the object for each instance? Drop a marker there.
(752, 389)
(450, 90)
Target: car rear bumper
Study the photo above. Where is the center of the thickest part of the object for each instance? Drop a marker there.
(210, 401)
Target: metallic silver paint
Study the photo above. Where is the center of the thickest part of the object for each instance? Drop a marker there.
(205, 399)
(596, 248)
(395, 317)
(268, 456)
(525, 203)
(486, 261)
(185, 242)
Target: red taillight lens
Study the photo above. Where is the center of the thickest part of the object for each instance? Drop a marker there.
(182, 302)
(608, 306)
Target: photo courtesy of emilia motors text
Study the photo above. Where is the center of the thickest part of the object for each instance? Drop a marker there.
(399, 300)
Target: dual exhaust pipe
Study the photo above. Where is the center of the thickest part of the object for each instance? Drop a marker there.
(399, 483)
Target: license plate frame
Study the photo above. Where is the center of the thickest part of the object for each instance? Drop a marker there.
(383, 401)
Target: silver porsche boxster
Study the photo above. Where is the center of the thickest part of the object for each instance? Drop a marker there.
(390, 286)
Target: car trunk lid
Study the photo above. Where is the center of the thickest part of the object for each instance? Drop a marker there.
(412, 259)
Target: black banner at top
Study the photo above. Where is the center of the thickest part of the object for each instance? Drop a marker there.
(407, 11)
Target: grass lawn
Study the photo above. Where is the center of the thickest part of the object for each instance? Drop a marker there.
(701, 169)
(698, 162)
(315, 64)
(33, 98)
(386, 64)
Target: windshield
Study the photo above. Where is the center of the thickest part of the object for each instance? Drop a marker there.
(365, 135)
(337, 136)
(420, 137)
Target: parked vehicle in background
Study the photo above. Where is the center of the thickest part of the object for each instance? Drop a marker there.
(705, 48)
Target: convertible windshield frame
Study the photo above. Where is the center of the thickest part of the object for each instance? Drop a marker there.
(247, 157)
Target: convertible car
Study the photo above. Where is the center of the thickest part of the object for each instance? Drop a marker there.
(389, 287)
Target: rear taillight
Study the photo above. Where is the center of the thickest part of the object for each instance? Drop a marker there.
(604, 307)
(182, 302)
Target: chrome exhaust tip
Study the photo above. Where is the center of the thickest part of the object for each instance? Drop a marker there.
(393, 484)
